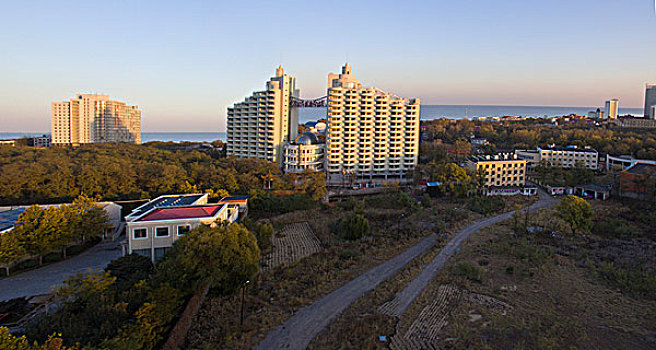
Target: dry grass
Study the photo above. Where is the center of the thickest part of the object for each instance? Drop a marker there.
(277, 294)
(555, 301)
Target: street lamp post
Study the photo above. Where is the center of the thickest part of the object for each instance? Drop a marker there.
(243, 298)
(398, 227)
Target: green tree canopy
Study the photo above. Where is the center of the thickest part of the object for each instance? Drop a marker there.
(576, 212)
(226, 255)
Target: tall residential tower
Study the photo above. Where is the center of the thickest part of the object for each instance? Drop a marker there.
(612, 108)
(94, 118)
(371, 134)
(650, 101)
(259, 126)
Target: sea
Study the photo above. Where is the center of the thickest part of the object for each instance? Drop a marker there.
(428, 112)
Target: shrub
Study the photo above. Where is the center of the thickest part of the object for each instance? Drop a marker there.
(635, 281)
(615, 228)
(470, 271)
(263, 234)
(352, 227)
(485, 205)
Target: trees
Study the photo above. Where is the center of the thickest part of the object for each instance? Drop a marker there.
(353, 226)
(226, 255)
(576, 212)
(39, 231)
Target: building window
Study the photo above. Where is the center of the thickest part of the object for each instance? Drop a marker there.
(140, 233)
(161, 232)
(183, 229)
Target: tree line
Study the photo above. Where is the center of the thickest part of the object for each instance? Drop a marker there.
(39, 231)
(533, 132)
(127, 171)
(133, 304)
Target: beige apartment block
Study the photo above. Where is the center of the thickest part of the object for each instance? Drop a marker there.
(372, 135)
(499, 170)
(259, 126)
(94, 118)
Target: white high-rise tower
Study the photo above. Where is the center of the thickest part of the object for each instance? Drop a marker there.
(372, 135)
(259, 126)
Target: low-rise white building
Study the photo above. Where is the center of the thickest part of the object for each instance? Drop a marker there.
(305, 153)
(154, 232)
(563, 157)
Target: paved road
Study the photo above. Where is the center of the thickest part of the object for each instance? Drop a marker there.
(298, 331)
(301, 328)
(403, 299)
(46, 279)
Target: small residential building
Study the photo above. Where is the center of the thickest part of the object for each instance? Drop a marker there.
(512, 191)
(592, 191)
(153, 232)
(240, 201)
(11, 143)
(638, 181)
(503, 169)
(41, 141)
(559, 190)
(304, 153)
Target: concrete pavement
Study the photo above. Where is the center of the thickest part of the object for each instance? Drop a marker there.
(46, 279)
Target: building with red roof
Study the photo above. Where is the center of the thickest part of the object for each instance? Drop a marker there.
(154, 231)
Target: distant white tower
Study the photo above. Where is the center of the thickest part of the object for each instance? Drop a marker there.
(612, 108)
(650, 101)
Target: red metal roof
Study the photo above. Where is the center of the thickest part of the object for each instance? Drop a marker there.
(182, 213)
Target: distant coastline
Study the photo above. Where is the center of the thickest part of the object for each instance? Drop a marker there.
(428, 112)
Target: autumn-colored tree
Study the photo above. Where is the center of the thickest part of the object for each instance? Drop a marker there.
(576, 212)
(10, 250)
(226, 255)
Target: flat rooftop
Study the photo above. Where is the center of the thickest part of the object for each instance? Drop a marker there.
(233, 198)
(8, 218)
(167, 201)
(567, 149)
(641, 169)
(175, 213)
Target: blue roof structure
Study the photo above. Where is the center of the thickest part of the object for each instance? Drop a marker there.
(234, 198)
(8, 218)
(167, 201)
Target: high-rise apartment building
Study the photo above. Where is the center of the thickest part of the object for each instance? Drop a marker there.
(259, 126)
(371, 134)
(612, 108)
(94, 118)
(650, 101)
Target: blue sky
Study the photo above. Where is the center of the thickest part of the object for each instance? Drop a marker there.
(185, 62)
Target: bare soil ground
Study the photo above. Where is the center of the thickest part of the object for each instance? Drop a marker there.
(276, 295)
(293, 243)
(553, 300)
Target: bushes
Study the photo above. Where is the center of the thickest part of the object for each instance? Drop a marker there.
(485, 205)
(281, 205)
(353, 226)
(393, 199)
(132, 304)
(634, 281)
(470, 271)
(615, 228)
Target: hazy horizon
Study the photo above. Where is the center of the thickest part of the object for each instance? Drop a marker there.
(196, 59)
